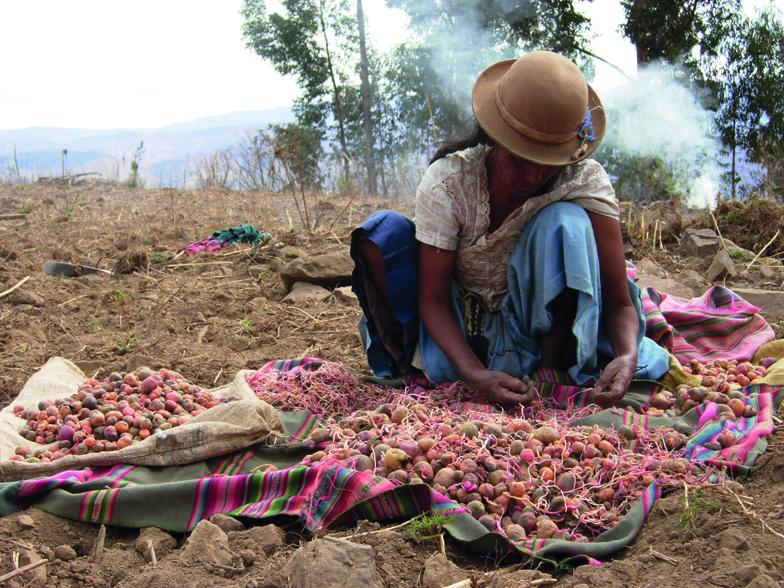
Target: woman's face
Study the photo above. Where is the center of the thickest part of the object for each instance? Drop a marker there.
(517, 176)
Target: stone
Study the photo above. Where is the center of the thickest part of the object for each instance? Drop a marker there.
(305, 292)
(64, 552)
(721, 267)
(330, 270)
(746, 574)
(25, 522)
(733, 540)
(268, 538)
(440, 572)
(651, 268)
(665, 286)
(377, 539)
(694, 281)
(766, 271)
(332, 562)
(162, 543)
(21, 296)
(34, 578)
(771, 302)
(206, 544)
(763, 581)
(345, 295)
(226, 523)
(702, 243)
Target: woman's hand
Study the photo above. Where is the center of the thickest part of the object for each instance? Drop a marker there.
(503, 388)
(620, 316)
(614, 382)
(435, 274)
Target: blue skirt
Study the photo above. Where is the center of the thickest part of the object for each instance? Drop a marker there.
(556, 250)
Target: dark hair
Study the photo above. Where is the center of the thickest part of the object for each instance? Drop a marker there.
(475, 137)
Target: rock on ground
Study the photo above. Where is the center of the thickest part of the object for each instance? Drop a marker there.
(333, 562)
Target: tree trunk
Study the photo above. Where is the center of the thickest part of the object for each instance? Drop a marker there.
(338, 105)
(642, 56)
(365, 89)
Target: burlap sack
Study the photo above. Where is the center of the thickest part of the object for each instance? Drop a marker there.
(217, 431)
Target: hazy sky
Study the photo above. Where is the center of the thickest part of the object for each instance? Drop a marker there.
(103, 64)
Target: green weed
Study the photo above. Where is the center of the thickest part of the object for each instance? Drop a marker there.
(119, 295)
(133, 179)
(695, 504)
(740, 254)
(427, 525)
(160, 256)
(129, 340)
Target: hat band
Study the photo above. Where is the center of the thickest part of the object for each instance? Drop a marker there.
(524, 129)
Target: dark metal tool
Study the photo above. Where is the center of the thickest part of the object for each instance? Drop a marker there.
(60, 268)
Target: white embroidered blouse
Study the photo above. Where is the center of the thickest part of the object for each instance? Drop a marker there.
(453, 213)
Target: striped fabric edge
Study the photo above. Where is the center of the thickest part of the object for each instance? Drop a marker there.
(37, 486)
(98, 506)
(747, 431)
(314, 494)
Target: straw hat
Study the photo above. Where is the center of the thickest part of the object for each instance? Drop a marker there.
(535, 107)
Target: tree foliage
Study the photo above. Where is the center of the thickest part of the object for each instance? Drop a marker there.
(734, 61)
(313, 40)
(679, 30)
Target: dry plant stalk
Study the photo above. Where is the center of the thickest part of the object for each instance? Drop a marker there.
(151, 549)
(756, 257)
(718, 231)
(19, 571)
(725, 492)
(7, 292)
(99, 540)
(281, 154)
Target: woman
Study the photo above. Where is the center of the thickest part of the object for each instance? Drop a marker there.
(515, 261)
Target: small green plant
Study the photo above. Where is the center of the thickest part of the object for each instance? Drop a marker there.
(160, 256)
(247, 325)
(129, 340)
(246, 332)
(133, 179)
(73, 204)
(95, 327)
(119, 295)
(740, 254)
(26, 210)
(695, 504)
(427, 525)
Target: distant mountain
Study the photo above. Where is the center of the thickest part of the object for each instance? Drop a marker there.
(243, 118)
(169, 154)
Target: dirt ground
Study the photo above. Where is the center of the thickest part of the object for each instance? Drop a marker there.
(210, 315)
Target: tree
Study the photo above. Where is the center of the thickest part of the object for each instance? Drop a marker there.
(309, 40)
(751, 92)
(457, 40)
(366, 114)
(679, 30)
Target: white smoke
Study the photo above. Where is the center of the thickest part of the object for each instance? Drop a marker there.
(656, 115)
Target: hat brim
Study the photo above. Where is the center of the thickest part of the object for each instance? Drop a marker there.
(490, 119)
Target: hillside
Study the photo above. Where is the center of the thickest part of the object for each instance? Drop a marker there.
(170, 153)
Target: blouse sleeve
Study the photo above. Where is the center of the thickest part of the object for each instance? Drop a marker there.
(436, 219)
(593, 190)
